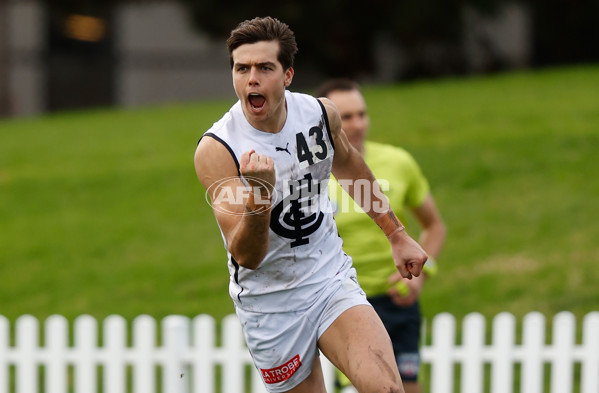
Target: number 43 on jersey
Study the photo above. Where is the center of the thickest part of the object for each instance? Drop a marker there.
(310, 155)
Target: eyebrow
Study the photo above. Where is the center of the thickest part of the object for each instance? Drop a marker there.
(265, 63)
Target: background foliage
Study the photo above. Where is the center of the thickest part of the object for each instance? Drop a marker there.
(337, 37)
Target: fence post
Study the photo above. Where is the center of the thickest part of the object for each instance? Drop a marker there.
(204, 340)
(178, 350)
(473, 342)
(233, 346)
(502, 368)
(27, 343)
(441, 351)
(144, 347)
(533, 342)
(115, 345)
(175, 341)
(86, 345)
(590, 362)
(564, 335)
(56, 342)
(4, 343)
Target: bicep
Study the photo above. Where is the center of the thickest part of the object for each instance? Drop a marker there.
(218, 173)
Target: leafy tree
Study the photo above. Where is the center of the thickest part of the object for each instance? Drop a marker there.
(338, 36)
(565, 31)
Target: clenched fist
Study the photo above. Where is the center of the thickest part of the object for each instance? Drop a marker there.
(259, 171)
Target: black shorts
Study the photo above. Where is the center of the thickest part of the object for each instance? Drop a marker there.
(403, 325)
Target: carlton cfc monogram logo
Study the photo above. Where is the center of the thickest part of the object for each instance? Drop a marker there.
(298, 215)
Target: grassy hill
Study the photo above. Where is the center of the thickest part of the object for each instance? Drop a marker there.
(101, 212)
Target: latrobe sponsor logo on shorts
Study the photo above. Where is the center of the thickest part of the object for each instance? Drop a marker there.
(283, 372)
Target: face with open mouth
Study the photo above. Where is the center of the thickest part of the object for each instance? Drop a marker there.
(260, 81)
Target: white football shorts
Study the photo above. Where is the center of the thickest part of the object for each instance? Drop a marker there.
(284, 345)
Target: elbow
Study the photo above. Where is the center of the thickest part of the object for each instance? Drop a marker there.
(251, 264)
(442, 230)
(248, 251)
(439, 231)
(249, 260)
(436, 230)
(440, 234)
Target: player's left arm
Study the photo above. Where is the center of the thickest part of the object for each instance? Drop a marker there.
(348, 168)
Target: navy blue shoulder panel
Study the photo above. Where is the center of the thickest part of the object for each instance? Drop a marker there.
(326, 122)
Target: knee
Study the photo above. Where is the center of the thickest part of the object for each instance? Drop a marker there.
(380, 384)
(394, 389)
(390, 387)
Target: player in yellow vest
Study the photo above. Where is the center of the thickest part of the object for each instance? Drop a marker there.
(395, 299)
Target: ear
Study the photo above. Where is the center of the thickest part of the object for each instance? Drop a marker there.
(288, 76)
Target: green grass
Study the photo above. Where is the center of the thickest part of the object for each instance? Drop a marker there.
(101, 212)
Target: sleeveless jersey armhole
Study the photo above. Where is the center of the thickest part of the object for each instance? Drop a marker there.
(326, 122)
(226, 145)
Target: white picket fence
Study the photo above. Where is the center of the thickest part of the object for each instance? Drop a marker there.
(185, 356)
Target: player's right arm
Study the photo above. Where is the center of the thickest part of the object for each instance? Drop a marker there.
(244, 224)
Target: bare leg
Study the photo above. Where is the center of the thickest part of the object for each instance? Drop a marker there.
(358, 344)
(314, 383)
(409, 387)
